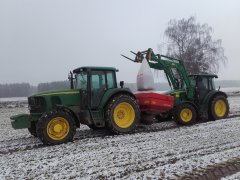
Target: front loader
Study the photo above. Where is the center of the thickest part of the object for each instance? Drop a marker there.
(195, 96)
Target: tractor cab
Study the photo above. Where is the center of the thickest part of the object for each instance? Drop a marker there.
(203, 84)
(93, 82)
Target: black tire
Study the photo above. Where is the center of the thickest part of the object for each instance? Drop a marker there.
(45, 123)
(215, 115)
(185, 114)
(111, 108)
(32, 129)
(93, 127)
(164, 116)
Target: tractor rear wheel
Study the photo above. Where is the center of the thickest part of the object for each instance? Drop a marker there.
(219, 108)
(32, 129)
(56, 127)
(185, 114)
(122, 114)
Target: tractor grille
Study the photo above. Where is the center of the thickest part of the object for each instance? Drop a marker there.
(36, 104)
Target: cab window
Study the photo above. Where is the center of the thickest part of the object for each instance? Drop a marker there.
(205, 83)
(81, 81)
(98, 80)
(110, 79)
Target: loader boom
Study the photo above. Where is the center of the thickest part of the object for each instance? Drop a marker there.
(194, 95)
(173, 68)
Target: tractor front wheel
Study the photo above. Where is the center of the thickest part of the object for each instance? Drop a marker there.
(122, 114)
(219, 108)
(185, 114)
(56, 127)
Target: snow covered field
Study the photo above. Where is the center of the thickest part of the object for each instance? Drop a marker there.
(165, 151)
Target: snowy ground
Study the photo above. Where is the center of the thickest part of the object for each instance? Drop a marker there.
(164, 152)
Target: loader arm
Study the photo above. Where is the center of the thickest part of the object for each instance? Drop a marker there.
(170, 66)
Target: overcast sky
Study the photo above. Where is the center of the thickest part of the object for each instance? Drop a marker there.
(43, 40)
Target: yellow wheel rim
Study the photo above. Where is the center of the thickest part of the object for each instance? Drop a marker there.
(220, 108)
(186, 115)
(124, 115)
(58, 128)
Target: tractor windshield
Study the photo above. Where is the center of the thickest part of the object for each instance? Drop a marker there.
(81, 81)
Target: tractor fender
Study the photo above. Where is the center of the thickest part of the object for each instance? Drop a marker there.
(210, 96)
(70, 111)
(109, 94)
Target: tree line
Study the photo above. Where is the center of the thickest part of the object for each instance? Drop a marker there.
(15, 90)
(57, 85)
(25, 89)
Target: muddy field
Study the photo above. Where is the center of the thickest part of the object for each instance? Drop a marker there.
(163, 150)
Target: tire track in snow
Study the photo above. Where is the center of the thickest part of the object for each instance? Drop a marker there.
(131, 156)
(29, 143)
(214, 172)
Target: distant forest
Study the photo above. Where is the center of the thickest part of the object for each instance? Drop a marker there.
(25, 89)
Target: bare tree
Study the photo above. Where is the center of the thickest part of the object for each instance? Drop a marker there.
(193, 43)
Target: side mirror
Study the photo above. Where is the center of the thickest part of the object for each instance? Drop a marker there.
(121, 84)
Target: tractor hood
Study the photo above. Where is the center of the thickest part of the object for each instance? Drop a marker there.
(45, 101)
(57, 93)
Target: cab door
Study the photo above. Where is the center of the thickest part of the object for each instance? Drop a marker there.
(98, 87)
(203, 87)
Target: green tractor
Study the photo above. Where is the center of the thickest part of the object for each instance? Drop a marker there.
(94, 100)
(195, 96)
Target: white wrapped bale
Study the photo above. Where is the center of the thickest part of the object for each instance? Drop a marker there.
(145, 81)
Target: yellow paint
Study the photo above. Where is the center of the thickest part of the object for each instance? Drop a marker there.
(124, 115)
(58, 128)
(57, 93)
(220, 108)
(186, 115)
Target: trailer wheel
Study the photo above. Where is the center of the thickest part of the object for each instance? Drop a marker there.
(122, 114)
(185, 114)
(219, 107)
(32, 130)
(56, 127)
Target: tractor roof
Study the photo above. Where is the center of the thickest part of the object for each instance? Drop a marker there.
(94, 68)
(204, 75)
